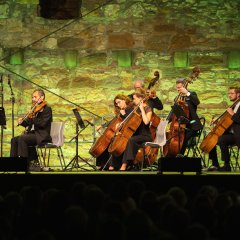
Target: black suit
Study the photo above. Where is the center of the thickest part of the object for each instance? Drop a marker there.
(230, 137)
(193, 123)
(39, 135)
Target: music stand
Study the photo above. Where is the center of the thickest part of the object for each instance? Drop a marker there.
(182, 119)
(75, 160)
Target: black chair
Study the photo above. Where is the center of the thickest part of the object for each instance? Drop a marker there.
(193, 144)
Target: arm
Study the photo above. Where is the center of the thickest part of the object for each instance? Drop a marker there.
(155, 103)
(43, 118)
(193, 98)
(146, 116)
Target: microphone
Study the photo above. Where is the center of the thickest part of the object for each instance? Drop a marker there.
(91, 124)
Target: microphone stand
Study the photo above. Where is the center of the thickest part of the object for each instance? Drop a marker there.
(13, 101)
(2, 115)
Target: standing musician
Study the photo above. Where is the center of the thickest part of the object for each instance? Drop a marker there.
(142, 133)
(193, 123)
(122, 107)
(153, 101)
(230, 137)
(38, 124)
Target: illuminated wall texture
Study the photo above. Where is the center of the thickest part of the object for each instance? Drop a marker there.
(88, 61)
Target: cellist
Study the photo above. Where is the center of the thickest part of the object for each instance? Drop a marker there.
(193, 123)
(122, 107)
(141, 135)
(230, 137)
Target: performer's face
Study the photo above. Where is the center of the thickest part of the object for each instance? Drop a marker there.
(179, 86)
(233, 96)
(120, 103)
(136, 100)
(36, 97)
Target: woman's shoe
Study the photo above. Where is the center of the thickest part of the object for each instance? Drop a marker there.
(123, 167)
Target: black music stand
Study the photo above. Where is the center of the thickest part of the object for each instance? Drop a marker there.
(75, 160)
(182, 119)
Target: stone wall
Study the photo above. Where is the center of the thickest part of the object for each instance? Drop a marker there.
(86, 62)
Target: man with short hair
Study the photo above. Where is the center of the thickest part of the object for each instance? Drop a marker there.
(231, 136)
(38, 125)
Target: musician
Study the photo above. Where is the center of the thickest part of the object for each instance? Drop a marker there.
(123, 105)
(192, 122)
(141, 135)
(37, 124)
(153, 101)
(230, 137)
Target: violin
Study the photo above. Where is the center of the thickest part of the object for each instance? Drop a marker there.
(37, 107)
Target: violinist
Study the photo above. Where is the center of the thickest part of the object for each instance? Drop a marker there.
(153, 101)
(122, 107)
(37, 123)
(141, 135)
(192, 122)
(230, 137)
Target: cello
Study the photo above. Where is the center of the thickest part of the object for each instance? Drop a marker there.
(125, 130)
(175, 135)
(122, 104)
(223, 122)
(104, 140)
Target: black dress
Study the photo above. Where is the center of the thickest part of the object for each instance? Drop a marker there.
(141, 135)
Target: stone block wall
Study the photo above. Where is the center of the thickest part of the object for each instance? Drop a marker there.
(86, 62)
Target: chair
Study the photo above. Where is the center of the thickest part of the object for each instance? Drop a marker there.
(234, 151)
(158, 143)
(193, 143)
(57, 130)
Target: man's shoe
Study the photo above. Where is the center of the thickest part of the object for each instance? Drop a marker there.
(225, 168)
(211, 169)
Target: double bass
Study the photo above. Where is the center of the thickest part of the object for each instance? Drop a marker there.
(175, 135)
(223, 122)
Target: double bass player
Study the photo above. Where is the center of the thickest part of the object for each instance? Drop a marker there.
(191, 121)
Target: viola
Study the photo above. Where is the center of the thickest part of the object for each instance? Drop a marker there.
(37, 107)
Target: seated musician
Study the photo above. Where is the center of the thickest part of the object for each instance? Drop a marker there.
(153, 101)
(193, 123)
(38, 124)
(141, 135)
(230, 137)
(122, 107)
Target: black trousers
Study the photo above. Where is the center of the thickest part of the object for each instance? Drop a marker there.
(20, 146)
(130, 152)
(188, 135)
(224, 142)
